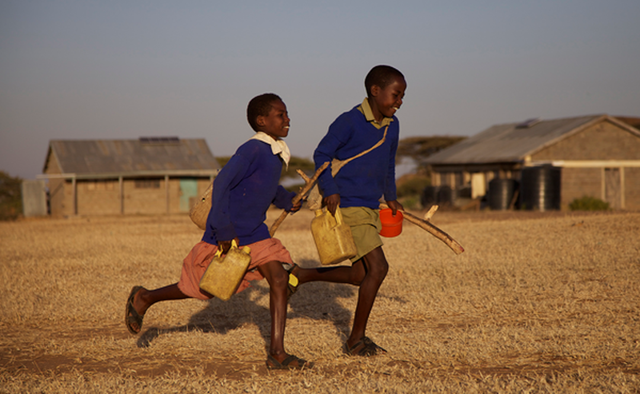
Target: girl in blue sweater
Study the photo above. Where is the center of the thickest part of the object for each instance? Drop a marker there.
(242, 192)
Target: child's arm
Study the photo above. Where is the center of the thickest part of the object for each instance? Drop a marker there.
(219, 216)
(283, 199)
(327, 151)
(390, 195)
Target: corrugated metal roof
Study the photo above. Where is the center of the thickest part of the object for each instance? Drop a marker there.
(508, 143)
(95, 157)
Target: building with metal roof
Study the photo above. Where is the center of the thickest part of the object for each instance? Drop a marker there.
(597, 156)
(144, 176)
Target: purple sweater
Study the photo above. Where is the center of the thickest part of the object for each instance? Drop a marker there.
(242, 192)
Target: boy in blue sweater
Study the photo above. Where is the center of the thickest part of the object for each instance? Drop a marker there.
(357, 189)
(242, 192)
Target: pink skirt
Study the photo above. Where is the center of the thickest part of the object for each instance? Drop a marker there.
(197, 261)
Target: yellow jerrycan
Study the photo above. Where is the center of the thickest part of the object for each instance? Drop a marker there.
(224, 274)
(333, 237)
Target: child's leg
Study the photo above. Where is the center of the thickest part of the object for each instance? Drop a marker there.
(376, 267)
(144, 298)
(343, 274)
(368, 273)
(278, 278)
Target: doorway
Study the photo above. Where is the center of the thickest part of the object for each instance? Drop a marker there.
(612, 189)
(188, 190)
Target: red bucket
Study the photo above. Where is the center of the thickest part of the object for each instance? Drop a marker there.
(391, 225)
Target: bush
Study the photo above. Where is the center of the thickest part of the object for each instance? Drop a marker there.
(588, 203)
(411, 202)
(10, 197)
(412, 185)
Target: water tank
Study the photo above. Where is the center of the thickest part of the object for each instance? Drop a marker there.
(445, 196)
(501, 193)
(540, 188)
(429, 196)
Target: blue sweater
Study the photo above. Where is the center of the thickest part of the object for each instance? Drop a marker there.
(364, 180)
(242, 192)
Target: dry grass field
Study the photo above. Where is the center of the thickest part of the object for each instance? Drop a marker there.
(539, 302)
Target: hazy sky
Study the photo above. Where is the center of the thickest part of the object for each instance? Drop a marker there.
(125, 69)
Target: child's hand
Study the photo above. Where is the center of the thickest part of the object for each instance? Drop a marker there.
(395, 206)
(226, 245)
(296, 207)
(332, 203)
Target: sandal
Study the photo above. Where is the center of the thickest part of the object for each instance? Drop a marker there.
(272, 363)
(365, 347)
(131, 315)
(292, 284)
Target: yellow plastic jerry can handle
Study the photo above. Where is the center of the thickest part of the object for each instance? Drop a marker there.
(234, 245)
(338, 216)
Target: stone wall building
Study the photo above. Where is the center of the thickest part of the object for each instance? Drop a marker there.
(144, 176)
(598, 156)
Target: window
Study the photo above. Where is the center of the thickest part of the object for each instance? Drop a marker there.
(100, 185)
(147, 183)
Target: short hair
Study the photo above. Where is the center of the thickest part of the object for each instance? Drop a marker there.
(260, 106)
(382, 76)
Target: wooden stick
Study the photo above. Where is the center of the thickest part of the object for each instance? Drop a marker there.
(304, 176)
(429, 214)
(309, 185)
(431, 229)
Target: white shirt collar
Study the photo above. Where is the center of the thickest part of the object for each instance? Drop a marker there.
(278, 147)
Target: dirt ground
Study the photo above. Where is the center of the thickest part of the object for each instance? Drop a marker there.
(68, 338)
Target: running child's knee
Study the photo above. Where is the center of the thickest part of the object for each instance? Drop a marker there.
(379, 270)
(356, 278)
(279, 279)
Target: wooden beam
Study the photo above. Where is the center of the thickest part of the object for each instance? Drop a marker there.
(622, 189)
(74, 188)
(121, 187)
(166, 189)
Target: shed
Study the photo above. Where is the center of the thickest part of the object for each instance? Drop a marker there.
(598, 156)
(150, 175)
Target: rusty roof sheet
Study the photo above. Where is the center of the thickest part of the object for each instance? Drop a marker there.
(151, 155)
(510, 143)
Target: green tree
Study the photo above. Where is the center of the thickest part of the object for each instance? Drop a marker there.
(10, 197)
(419, 148)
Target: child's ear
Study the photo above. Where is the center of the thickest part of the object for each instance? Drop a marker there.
(260, 120)
(375, 90)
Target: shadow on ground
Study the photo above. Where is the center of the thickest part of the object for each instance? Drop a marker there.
(318, 301)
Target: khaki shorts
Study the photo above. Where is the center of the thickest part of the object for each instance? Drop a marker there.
(365, 226)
